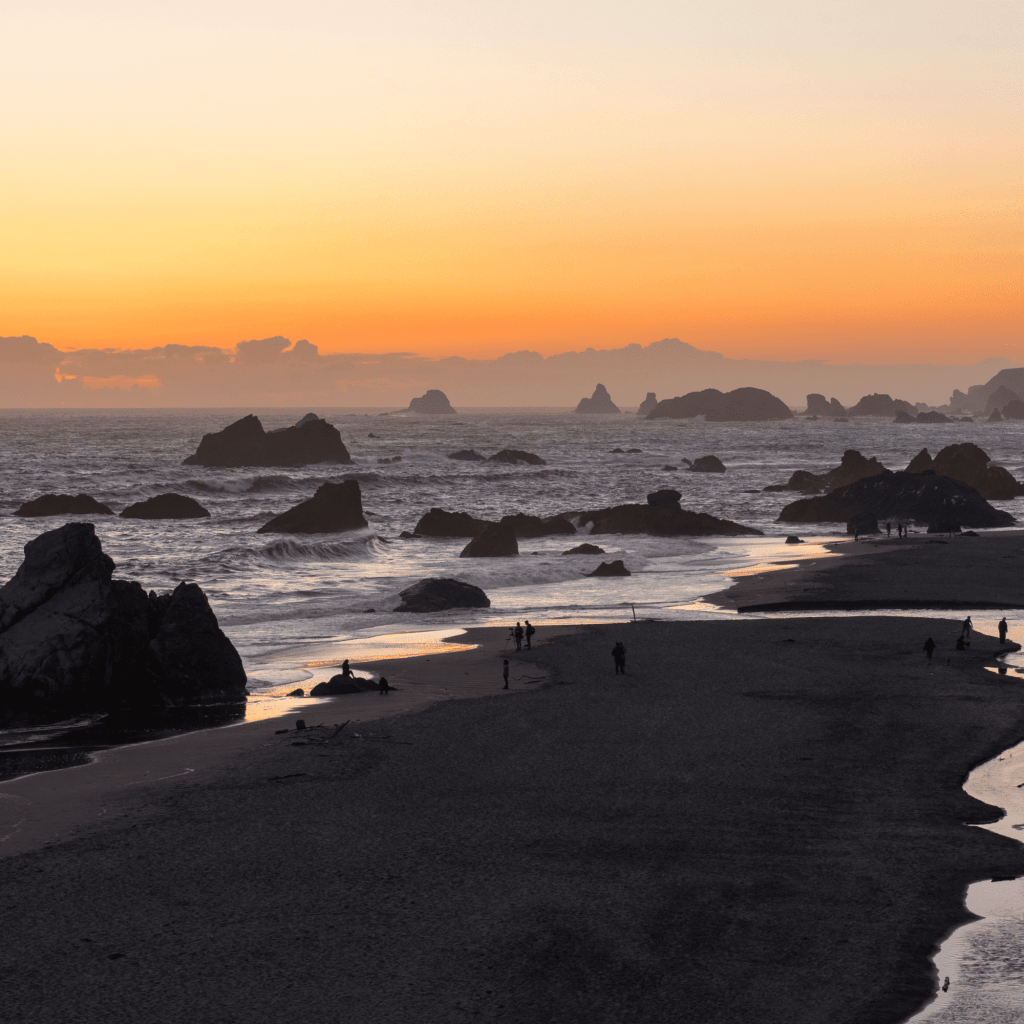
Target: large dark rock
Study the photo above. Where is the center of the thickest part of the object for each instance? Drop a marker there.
(741, 405)
(881, 405)
(648, 405)
(904, 417)
(433, 403)
(63, 505)
(817, 406)
(467, 455)
(512, 456)
(166, 506)
(970, 465)
(74, 640)
(246, 443)
(1014, 410)
(852, 467)
(660, 517)
(438, 523)
(920, 497)
(333, 509)
(995, 416)
(497, 541)
(437, 595)
(667, 497)
(615, 568)
(524, 526)
(862, 523)
(1000, 397)
(584, 549)
(343, 684)
(932, 416)
(707, 464)
(599, 402)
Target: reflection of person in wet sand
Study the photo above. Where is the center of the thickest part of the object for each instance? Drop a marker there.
(504, 672)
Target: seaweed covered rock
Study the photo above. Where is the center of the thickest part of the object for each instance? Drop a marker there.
(433, 403)
(74, 640)
(438, 595)
(63, 505)
(246, 443)
(334, 508)
(497, 541)
(166, 506)
(707, 464)
(513, 456)
(438, 523)
(970, 465)
(599, 402)
(741, 405)
(524, 526)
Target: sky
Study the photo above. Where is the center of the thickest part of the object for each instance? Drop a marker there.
(782, 180)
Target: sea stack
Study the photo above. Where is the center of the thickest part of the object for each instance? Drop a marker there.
(63, 505)
(647, 405)
(742, 405)
(600, 402)
(333, 509)
(433, 403)
(246, 443)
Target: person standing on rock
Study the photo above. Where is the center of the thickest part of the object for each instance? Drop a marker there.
(518, 634)
(929, 648)
(529, 634)
(619, 657)
(1002, 630)
(345, 670)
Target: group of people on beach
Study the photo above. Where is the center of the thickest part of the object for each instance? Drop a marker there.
(963, 641)
(519, 634)
(901, 529)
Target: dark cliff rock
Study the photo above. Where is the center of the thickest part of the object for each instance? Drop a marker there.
(1001, 397)
(904, 417)
(852, 467)
(436, 595)
(615, 568)
(667, 497)
(862, 523)
(707, 464)
(1014, 410)
(524, 526)
(438, 523)
(881, 405)
(741, 405)
(512, 456)
(467, 455)
(246, 443)
(497, 541)
(74, 640)
(660, 517)
(333, 509)
(63, 505)
(584, 549)
(969, 464)
(920, 497)
(599, 402)
(166, 506)
(648, 405)
(932, 416)
(817, 406)
(995, 417)
(433, 403)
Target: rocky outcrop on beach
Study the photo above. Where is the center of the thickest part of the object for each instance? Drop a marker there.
(433, 403)
(852, 467)
(166, 506)
(648, 405)
(615, 568)
(970, 465)
(439, 523)
(881, 405)
(63, 505)
(246, 443)
(741, 405)
(918, 497)
(599, 402)
(74, 640)
(497, 541)
(707, 464)
(438, 595)
(513, 456)
(341, 683)
(467, 455)
(584, 549)
(662, 516)
(524, 526)
(334, 508)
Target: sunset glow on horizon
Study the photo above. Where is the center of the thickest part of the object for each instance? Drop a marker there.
(788, 180)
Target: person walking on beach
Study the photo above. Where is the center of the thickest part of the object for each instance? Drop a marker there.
(1002, 630)
(888, 529)
(965, 630)
(619, 657)
(385, 689)
(529, 633)
(929, 648)
(504, 672)
(518, 634)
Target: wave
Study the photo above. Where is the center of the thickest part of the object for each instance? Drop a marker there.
(289, 550)
(247, 485)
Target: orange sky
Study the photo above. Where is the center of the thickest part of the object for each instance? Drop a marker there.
(782, 180)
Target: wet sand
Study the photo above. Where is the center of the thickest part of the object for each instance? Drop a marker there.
(762, 821)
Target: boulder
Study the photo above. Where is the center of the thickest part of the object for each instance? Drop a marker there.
(904, 417)
(970, 465)
(166, 506)
(73, 640)
(584, 549)
(615, 568)
(932, 416)
(1014, 410)
(862, 523)
(497, 541)
(524, 526)
(921, 463)
(245, 443)
(707, 464)
(340, 684)
(852, 467)
(298, 693)
(793, 539)
(666, 497)
(909, 496)
(438, 595)
(599, 402)
(741, 405)
(466, 455)
(63, 505)
(995, 416)
(661, 519)
(433, 403)
(512, 456)
(438, 523)
(881, 405)
(648, 405)
(332, 509)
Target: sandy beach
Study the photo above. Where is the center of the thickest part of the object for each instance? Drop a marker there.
(762, 821)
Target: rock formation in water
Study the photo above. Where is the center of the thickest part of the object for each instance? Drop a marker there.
(63, 505)
(904, 417)
(1014, 410)
(74, 640)
(741, 405)
(615, 568)
(497, 541)
(599, 402)
(433, 403)
(881, 405)
(166, 506)
(467, 455)
(660, 517)
(995, 417)
(438, 595)
(340, 684)
(585, 549)
(524, 526)
(513, 456)
(648, 405)
(334, 508)
(852, 467)
(246, 443)
(707, 464)
(817, 406)
(1000, 397)
(919, 497)
(438, 523)
(970, 465)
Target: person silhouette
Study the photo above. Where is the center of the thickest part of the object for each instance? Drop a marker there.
(929, 648)
(1002, 630)
(518, 634)
(382, 684)
(965, 630)
(619, 657)
(888, 529)
(504, 672)
(345, 670)
(529, 634)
